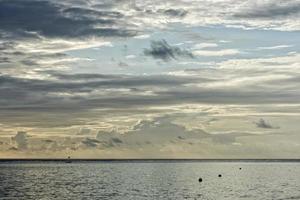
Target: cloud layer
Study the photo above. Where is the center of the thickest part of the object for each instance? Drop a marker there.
(153, 78)
(271, 10)
(45, 18)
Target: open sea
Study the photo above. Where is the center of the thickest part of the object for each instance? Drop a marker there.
(149, 180)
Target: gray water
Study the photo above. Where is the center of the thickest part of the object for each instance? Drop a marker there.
(149, 180)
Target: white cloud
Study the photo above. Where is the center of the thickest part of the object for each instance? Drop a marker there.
(243, 82)
(145, 36)
(130, 56)
(275, 47)
(204, 45)
(224, 41)
(286, 63)
(216, 53)
(47, 45)
(84, 131)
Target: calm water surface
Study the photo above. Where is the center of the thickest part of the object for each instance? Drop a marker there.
(149, 180)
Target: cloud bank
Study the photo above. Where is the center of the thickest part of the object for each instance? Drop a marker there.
(149, 78)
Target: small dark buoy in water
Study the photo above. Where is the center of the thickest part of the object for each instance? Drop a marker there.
(200, 180)
(220, 175)
(69, 160)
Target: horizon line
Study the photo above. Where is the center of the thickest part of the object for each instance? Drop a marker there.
(152, 159)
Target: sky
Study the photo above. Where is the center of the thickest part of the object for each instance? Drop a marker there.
(150, 79)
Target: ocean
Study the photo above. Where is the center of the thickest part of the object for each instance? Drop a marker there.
(149, 180)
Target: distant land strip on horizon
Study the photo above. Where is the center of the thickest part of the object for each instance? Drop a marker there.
(142, 160)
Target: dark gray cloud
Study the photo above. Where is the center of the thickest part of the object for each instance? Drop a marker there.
(81, 76)
(181, 138)
(162, 50)
(263, 124)
(116, 140)
(167, 12)
(48, 141)
(175, 12)
(91, 142)
(4, 60)
(84, 83)
(110, 139)
(271, 10)
(122, 64)
(60, 94)
(22, 17)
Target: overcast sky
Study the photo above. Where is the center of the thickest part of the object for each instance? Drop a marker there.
(150, 79)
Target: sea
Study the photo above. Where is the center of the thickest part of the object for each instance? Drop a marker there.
(162, 179)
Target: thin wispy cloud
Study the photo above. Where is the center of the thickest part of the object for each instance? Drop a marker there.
(275, 47)
(222, 52)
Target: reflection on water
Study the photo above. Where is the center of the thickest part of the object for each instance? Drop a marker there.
(112, 180)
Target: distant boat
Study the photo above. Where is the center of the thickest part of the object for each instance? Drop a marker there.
(69, 160)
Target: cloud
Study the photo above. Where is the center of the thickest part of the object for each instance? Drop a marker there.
(268, 64)
(270, 10)
(181, 138)
(81, 76)
(130, 56)
(222, 52)
(162, 50)
(229, 13)
(21, 140)
(62, 92)
(149, 134)
(275, 47)
(30, 46)
(84, 131)
(224, 138)
(165, 136)
(110, 139)
(48, 141)
(116, 140)
(27, 18)
(175, 12)
(13, 149)
(204, 45)
(45, 88)
(263, 124)
(157, 133)
(123, 64)
(35, 34)
(78, 83)
(91, 143)
(145, 36)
